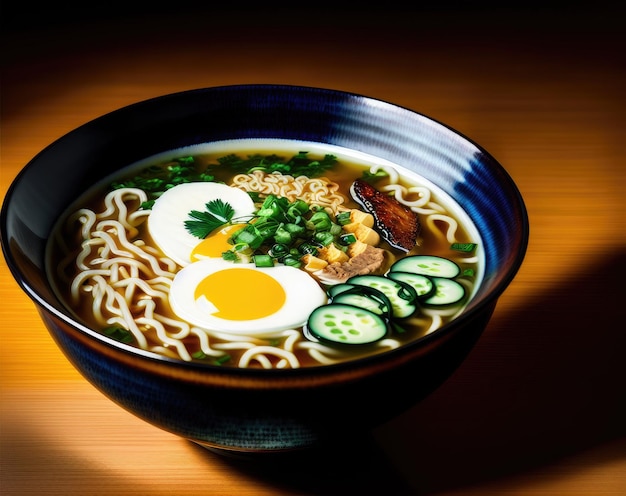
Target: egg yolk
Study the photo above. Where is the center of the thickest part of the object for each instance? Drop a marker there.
(242, 294)
(215, 243)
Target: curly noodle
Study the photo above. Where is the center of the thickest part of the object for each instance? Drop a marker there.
(316, 191)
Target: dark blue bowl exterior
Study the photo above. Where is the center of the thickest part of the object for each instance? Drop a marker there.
(256, 419)
(190, 407)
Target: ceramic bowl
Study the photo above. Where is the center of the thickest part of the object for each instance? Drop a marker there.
(253, 410)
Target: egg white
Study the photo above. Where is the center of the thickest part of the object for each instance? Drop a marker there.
(166, 222)
(302, 293)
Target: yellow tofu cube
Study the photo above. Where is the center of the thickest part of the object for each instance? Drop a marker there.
(313, 263)
(361, 217)
(332, 254)
(366, 235)
(352, 227)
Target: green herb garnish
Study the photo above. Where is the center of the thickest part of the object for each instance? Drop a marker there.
(119, 334)
(297, 165)
(221, 360)
(372, 177)
(217, 214)
(157, 179)
(200, 355)
(464, 247)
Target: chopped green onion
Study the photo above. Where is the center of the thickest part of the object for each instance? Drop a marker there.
(308, 249)
(222, 360)
(347, 239)
(295, 229)
(464, 247)
(325, 238)
(263, 261)
(241, 247)
(397, 328)
(297, 209)
(343, 218)
(119, 334)
(248, 235)
(278, 250)
(335, 229)
(320, 221)
(292, 261)
(283, 236)
(266, 226)
(371, 177)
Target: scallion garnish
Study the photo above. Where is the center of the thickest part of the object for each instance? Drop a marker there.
(263, 261)
(119, 334)
(464, 247)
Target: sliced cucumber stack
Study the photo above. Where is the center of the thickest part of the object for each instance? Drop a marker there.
(365, 308)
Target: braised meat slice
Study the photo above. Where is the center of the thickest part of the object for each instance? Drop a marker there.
(366, 262)
(395, 222)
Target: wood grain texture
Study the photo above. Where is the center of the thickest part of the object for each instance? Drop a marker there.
(539, 405)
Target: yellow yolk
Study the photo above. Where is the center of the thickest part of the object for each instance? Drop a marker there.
(242, 294)
(243, 299)
(215, 243)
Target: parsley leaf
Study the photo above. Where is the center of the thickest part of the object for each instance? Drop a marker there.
(217, 214)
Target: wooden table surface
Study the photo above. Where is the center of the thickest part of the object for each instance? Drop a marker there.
(539, 406)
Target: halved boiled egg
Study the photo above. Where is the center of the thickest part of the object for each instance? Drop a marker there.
(170, 211)
(241, 298)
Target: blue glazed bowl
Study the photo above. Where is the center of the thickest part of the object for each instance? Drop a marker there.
(263, 411)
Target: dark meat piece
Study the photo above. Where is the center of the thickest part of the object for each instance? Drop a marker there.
(395, 222)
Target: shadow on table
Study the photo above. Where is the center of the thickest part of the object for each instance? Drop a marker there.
(544, 382)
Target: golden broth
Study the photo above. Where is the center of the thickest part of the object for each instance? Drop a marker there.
(234, 348)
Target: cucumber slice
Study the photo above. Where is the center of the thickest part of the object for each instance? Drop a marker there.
(338, 288)
(447, 292)
(428, 265)
(402, 296)
(423, 285)
(368, 298)
(347, 324)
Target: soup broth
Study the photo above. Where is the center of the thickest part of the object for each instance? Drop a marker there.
(265, 253)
